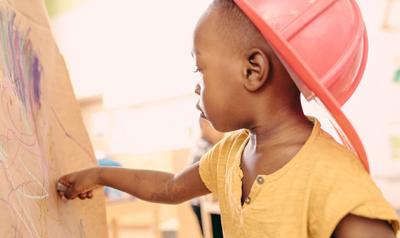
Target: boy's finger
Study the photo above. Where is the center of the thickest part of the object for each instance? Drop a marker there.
(82, 196)
(61, 188)
(61, 194)
(65, 180)
(71, 193)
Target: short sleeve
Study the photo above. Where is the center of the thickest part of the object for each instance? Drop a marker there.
(346, 188)
(208, 169)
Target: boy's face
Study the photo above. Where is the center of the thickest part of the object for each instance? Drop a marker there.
(220, 89)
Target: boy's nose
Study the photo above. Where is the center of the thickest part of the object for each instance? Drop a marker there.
(197, 89)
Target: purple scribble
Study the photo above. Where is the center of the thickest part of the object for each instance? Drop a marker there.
(36, 80)
(20, 64)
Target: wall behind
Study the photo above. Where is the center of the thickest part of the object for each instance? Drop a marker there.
(375, 107)
(128, 51)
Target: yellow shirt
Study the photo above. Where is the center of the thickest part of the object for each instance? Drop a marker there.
(304, 199)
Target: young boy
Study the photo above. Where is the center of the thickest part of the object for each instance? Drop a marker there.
(282, 176)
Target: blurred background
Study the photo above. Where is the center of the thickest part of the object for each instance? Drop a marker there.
(131, 68)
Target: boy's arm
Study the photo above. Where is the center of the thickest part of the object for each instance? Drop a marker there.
(152, 186)
(352, 226)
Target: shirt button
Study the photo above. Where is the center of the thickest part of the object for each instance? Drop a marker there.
(260, 180)
(247, 200)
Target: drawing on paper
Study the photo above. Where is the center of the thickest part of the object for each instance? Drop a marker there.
(22, 163)
(34, 135)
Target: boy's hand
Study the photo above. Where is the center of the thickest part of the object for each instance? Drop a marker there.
(78, 184)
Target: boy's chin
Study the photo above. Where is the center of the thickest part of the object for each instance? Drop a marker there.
(221, 127)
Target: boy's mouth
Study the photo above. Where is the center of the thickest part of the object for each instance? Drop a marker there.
(201, 111)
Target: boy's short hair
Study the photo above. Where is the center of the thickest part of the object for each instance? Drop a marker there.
(236, 27)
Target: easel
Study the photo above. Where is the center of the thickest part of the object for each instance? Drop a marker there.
(118, 209)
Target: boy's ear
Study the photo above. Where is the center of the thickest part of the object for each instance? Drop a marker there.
(256, 69)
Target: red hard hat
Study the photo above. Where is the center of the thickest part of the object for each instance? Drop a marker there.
(324, 46)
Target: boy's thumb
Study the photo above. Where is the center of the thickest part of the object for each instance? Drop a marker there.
(61, 188)
(64, 187)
